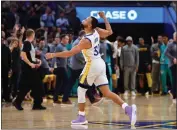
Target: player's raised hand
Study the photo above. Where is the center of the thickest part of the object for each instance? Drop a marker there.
(49, 56)
(102, 15)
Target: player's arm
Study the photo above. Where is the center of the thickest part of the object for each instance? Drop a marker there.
(83, 44)
(23, 54)
(105, 32)
(26, 60)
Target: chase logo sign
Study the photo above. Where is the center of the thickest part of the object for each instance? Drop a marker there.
(131, 15)
(124, 14)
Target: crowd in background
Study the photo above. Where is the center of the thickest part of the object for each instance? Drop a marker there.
(137, 67)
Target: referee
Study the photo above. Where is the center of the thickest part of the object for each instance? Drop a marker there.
(30, 77)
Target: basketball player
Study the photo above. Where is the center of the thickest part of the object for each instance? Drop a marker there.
(94, 71)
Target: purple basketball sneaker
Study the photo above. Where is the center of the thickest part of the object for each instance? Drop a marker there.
(81, 120)
(131, 112)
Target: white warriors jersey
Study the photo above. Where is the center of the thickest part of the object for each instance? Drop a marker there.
(93, 52)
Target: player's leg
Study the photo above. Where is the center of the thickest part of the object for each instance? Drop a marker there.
(81, 91)
(102, 83)
(81, 120)
(86, 80)
(107, 93)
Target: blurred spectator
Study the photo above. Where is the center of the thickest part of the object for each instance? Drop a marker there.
(58, 32)
(164, 69)
(155, 53)
(5, 68)
(103, 47)
(57, 40)
(129, 62)
(12, 18)
(74, 22)
(61, 70)
(107, 52)
(50, 43)
(42, 6)
(69, 47)
(53, 6)
(34, 19)
(170, 40)
(69, 8)
(118, 48)
(171, 52)
(5, 5)
(62, 22)
(51, 47)
(23, 13)
(2, 28)
(45, 70)
(3, 38)
(41, 50)
(47, 19)
(16, 61)
(144, 71)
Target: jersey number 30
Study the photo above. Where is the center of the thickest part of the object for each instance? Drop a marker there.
(96, 48)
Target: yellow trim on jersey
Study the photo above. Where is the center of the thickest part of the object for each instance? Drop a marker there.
(87, 67)
(87, 57)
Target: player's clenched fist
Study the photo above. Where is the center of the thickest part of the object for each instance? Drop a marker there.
(101, 14)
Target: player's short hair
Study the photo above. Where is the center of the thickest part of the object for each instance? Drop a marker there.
(29, 32)
(94, 22)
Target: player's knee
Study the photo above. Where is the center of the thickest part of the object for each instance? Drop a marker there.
(81, 94)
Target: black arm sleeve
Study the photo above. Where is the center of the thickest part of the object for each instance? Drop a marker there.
(26, 46)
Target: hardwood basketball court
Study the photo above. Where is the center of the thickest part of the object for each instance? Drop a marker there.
(153, 112)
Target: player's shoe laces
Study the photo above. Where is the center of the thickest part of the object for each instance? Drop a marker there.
(81, 120)
(131, 112)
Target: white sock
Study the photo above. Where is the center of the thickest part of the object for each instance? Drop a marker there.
(124, 105)
(81, 113)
